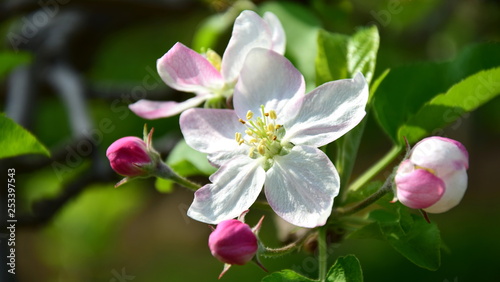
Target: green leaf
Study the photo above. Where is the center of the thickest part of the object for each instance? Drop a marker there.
(331, 62)
(341, 56)
(421, 244)
(301, 28)
(410, 235)
(463, 97)
(406, 89)
(185, 161)
(286, 275)
(15, 140)
(9, 60)
(345, 269)
(362, 52)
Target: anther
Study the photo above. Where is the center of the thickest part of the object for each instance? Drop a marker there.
(249, 115)
(262, 149)
(272, 114)
(237, 136)
(250, 152)
(242, 121)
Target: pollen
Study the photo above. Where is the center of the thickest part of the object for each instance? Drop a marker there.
(262, 134)
(272, 115)
(249, 115)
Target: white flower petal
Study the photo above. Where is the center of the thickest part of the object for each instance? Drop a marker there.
(268, 79)
(249, 31)
(236, 186)
(301, 185)
(185, 70)
(456, 184)
(212, 131)
(157, 109)
(277, 31)
(440, 154)
(328, 112)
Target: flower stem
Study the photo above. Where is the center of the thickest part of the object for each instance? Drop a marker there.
(166, 172)
(275, 252)
(376, 168)
(386, 188)
(322, 254)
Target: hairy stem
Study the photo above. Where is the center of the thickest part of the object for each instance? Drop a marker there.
(166, 172)
(275, 252)
(322, 254)
(386, 188)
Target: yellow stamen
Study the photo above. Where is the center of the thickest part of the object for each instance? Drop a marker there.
(270, 127)
(272, 114)
(262, 149)
(242, 121)
(237, 136)
(250, 152)
(249, 115)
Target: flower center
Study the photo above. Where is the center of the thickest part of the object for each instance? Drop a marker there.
(263, 135)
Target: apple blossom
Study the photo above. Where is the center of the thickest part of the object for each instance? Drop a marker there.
(208, 76)
(434, 178)
(271, 139)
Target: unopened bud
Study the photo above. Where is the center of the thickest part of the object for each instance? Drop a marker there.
(434, 178)
(233, 242)
(129, 156)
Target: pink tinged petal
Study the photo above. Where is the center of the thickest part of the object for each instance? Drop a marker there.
(277, 31)
(128, 155)
(212, 131)
(440, 154)
(456, 184)
(419, 188)
(233, 242)
(156, 109)
(328, 112)
(301, 185)
(268, 79)
(249, 31)
(185, 70)
(235, 187)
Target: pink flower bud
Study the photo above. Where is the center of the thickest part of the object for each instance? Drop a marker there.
(128, 156)
(233, 242)
(434, 178)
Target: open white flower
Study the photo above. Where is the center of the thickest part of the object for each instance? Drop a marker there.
(209, 76)
(271, 139)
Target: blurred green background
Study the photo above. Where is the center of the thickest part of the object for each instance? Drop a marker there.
(74, 226)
